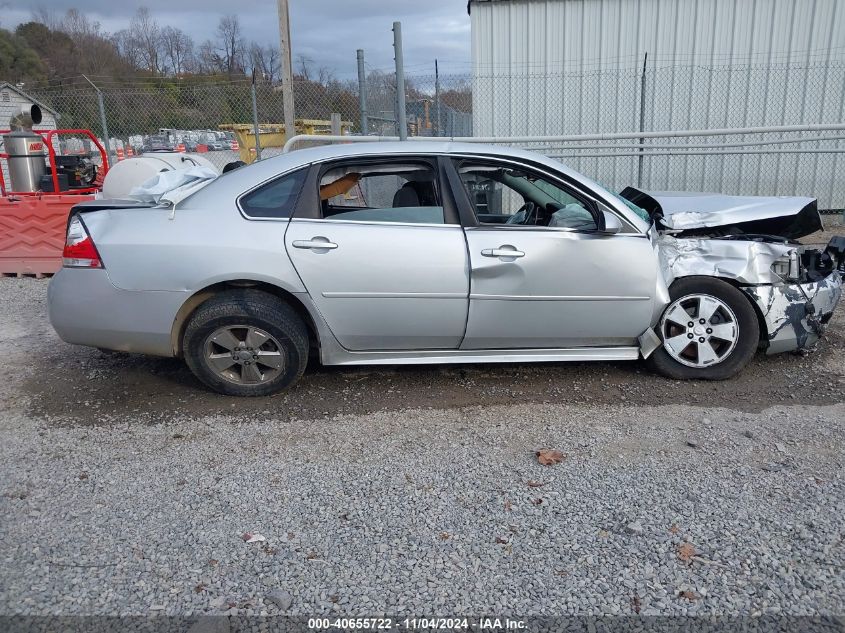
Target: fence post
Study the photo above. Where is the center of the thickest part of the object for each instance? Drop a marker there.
(287, 72)
(642, 123)
(255, 119)
(103, 123)
(437, 98)
(400, 81)
(362, 92)
(337, 128)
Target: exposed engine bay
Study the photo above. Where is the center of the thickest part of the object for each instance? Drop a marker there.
(751, 241)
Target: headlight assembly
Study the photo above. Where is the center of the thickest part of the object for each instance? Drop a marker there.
(788, 267)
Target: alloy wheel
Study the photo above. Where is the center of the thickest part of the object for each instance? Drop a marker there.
(244, 354)
(699, 330)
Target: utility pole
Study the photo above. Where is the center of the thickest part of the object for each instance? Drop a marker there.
(400, 82)
(287, 68)
(437, 97)
(362, 92)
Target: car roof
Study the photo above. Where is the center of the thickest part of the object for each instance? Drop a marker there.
(426, 147)
(239, 180)
(251, 175)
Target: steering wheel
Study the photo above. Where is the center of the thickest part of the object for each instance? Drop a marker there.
(527, 214)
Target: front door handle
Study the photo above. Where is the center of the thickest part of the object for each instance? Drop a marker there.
(505, 250)
(316, 243)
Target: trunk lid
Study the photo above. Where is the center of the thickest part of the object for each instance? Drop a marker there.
(100, 205)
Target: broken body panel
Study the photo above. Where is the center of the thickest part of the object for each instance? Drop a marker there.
(749, 242)
(716, 215)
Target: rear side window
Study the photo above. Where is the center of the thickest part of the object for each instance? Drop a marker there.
(391, 191)
(276, 199)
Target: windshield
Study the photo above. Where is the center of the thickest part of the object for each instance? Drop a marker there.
(636, 209)
(642, 213)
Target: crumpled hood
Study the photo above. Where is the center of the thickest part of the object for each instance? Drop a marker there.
(783, 216)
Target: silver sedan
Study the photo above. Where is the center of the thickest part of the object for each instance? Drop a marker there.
(396, 253)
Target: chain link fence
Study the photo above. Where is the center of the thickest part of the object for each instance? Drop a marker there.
(203, 115)
(682, 97)
(214, 116)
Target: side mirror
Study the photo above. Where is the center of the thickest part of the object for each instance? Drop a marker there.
(612, 225)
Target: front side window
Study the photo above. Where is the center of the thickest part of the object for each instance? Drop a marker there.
(505, 195)
(381, 192)
(276, 199)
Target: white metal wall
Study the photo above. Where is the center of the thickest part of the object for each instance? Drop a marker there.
(573, 66)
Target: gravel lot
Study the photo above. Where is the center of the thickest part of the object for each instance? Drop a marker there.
(126, 488)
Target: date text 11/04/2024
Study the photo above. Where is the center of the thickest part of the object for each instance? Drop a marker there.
(446, 624)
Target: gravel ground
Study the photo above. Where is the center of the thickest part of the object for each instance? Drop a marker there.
(125, 488)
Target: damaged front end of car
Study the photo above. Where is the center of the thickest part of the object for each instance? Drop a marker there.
(794, 287)
(751, 243)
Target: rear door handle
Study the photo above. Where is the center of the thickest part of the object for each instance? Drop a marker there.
(315, 243)
(502, 251)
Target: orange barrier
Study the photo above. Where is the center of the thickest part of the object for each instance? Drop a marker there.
(119, 153)
(32, 232)
(129, 151)
(180, 148)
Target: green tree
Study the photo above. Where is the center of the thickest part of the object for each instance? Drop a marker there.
(18, 61)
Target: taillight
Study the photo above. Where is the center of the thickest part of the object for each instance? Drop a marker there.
(80, 251)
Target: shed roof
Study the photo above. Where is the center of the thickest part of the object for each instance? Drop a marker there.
(5, 85)
(470, 3)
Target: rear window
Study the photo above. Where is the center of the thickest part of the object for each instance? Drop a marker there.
(276, 199)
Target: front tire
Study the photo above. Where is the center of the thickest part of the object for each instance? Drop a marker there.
(246, 343)
(709, 331)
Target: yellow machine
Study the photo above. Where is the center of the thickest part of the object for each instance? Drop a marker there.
(273, 134)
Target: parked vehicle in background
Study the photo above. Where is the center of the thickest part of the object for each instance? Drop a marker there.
(157, 144)
(395, 253)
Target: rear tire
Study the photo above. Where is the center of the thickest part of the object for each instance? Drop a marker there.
(246, 343)
(698, 344)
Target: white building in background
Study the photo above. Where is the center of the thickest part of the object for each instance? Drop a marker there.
(550, 67)
(11, 100)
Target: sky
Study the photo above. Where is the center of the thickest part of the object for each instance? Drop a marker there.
(326, 31)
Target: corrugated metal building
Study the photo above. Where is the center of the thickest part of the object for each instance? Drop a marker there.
(547, 67)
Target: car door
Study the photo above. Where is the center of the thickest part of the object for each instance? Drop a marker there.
(382, 257)
(545, 276)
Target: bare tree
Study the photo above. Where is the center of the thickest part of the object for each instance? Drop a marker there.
(208, 59)
(78, 26)
(178, 48)
(46, 16)
(232, 49)
(325, 76)
(147, 34)
(265, 60)
(304, 64)
(127, 47)
(94, 51)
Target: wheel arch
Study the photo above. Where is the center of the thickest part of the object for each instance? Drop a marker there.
(761, 321)
(197, 299)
